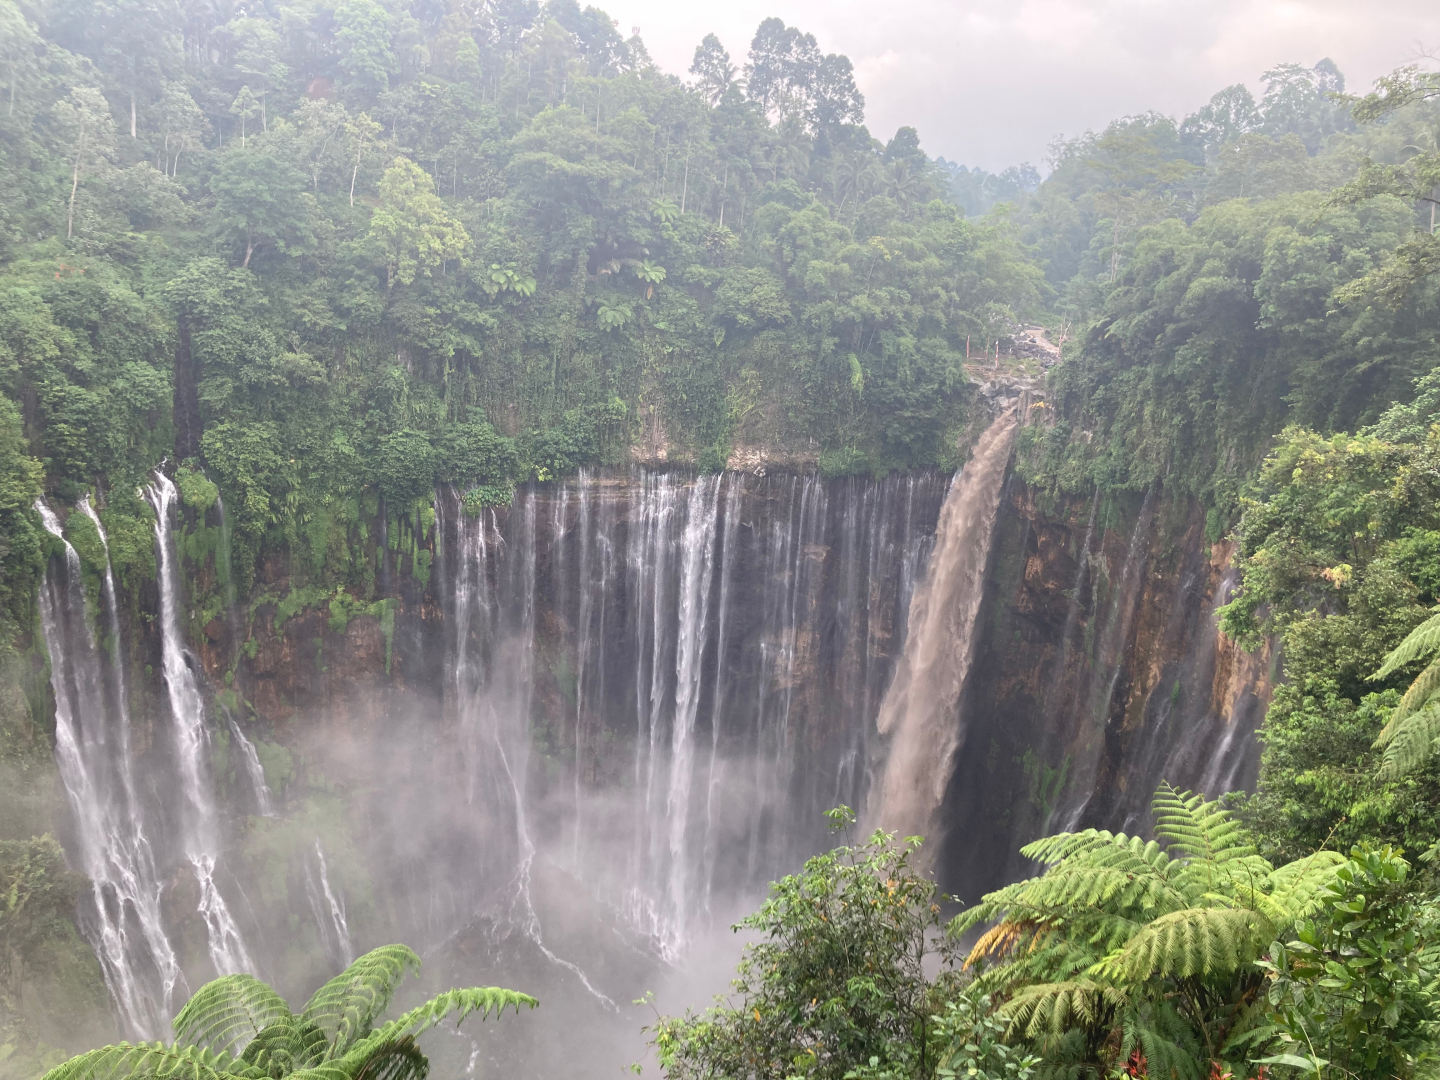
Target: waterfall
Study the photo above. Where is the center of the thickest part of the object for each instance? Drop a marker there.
(92, 751)
(328, 907)
(264, 800)
(919, 710)
(199, 814)
(697, 547)
(710, 650)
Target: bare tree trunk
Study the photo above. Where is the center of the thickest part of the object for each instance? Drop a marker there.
(685, 184)
(74, 183)
(249, 247)
(74, 186)
(132, 114)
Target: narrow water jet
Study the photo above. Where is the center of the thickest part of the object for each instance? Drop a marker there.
(328, 907)
(199, 814)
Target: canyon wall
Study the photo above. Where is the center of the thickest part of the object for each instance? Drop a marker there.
(562, 744)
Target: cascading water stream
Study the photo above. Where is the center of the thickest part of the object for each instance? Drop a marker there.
(264, 800)
(199, 814)
(686, 623)
(123, 920)
(919, 710)
(328, 907)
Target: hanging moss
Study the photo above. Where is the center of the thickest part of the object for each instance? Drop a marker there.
(296, 601)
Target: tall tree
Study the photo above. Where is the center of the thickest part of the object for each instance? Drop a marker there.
(85, 117)
(263, 198)
(411, 225)
(781, 68)
(713, 71)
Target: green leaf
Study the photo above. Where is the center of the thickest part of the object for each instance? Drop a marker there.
(226, 1014)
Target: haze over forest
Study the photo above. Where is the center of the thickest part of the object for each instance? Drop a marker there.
(486, 515)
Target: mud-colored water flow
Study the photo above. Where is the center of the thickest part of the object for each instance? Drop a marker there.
(919, 713)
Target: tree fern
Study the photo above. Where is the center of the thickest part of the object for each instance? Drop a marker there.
(345, 1008)
(1408, 739)
(1408, 743)
(1422, 641)
(224, 1015)
(332, 1039)
(1419, 692)
(1118, 932)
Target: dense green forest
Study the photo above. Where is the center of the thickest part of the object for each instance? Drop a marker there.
(327, 255)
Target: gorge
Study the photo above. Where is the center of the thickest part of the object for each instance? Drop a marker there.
(465, 487)
(572, 738)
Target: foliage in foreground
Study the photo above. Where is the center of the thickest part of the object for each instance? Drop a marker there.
(1355, 993)
(1125, 950)
(836, 982)
(1340, 551)
(237, 1026)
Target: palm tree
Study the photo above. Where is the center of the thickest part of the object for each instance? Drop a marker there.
(791, 152)
(902, 183)
(856, 175)
(238, 1028)
(1127, 950)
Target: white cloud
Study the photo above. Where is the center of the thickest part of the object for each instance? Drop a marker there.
(990, 82)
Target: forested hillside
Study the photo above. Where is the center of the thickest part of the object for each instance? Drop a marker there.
(331, 251)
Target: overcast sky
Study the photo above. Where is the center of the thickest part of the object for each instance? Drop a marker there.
(991, 82)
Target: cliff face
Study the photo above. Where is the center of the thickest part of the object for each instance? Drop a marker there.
(614, 710)
(1099, 668)
(1101, 673)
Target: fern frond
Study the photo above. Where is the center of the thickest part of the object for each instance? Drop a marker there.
(1410, 743)
(345, 1008)
(1197, 941)
(1295, 888)
(1418, 693)
(1166, 1040)
(475, 999)
(1051, 1008)
(226, 1013)
(373, 1058)
(1422, 641)
(1200, 829)
(1067, 887)
(152, 1060)
(1003, 938)
(1052, 849)
(1238, 881)
(287, 1046)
